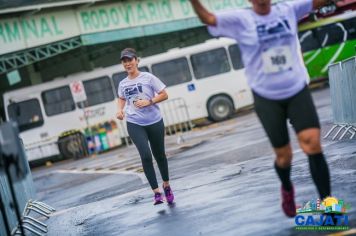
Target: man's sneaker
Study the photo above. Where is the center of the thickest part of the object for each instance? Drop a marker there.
(169, 194)
(158, 199)
(288, 204)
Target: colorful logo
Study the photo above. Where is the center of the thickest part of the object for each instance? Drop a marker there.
(328, 214)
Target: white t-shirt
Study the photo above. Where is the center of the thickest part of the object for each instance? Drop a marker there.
(269, 45)
(144, 86)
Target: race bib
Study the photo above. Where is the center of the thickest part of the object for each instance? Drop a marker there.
(277, 59)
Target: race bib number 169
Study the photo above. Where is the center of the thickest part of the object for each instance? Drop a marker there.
(277, 59)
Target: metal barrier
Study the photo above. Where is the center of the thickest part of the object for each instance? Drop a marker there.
(17, 188)
(350, 74)
(342, 79)
(175, 117)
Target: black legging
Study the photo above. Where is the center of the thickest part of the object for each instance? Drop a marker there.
(154, 134)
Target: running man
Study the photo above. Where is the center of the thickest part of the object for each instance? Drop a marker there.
(140, 92)
(268, 38)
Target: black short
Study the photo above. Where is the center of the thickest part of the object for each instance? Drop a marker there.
(273, 114)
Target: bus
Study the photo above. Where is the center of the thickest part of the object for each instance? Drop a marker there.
(327, 41)
(197, 83)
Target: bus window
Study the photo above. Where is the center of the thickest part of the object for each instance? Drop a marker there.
(118, 77)
(350, 27)
(57, 101)
(330, 34)
(173, 72)
(210, 63)
(235, 55)
(98, 91)
(27, 114)
(308, 41)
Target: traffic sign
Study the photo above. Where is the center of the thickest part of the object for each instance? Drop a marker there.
(78, 91)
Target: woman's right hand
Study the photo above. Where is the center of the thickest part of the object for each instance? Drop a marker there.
(120, 115)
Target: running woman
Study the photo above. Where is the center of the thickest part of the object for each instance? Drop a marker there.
(140, 92)
(268, 38)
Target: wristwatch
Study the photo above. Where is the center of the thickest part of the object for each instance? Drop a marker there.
(151, 101)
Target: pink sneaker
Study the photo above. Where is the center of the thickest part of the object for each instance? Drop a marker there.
(158, 199)
(288, 204)
(169, 194)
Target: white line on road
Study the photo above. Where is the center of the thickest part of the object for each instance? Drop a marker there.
(113, 172)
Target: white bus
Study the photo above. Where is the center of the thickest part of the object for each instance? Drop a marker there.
(206, 80)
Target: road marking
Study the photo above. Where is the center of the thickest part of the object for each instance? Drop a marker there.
(123, 197)
(113, 172)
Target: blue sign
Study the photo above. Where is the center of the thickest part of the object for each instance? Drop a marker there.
(191, 87)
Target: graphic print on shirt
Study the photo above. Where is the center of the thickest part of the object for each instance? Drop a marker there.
(279, 58)
(273, 30)
(133, 93)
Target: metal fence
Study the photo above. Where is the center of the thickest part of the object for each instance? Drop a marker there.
(24, 196)
(17, 192)
(342, 79)
(175, 116)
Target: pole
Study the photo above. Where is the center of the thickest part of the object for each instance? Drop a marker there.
(88, 126)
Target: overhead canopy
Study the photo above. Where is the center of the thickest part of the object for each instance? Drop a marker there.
(7, 6)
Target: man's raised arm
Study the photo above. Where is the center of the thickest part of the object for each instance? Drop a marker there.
(204, 15)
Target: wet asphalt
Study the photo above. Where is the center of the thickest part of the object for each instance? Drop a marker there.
(222, 176)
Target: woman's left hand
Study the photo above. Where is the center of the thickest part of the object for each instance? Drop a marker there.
(142, 103)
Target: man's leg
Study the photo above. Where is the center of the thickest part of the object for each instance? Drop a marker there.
(282, 165)
(304, 118)
(283, 168)
(309, 141)
(273, 116)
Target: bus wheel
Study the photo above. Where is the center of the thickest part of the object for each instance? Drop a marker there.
(220, 108)
(72, 146)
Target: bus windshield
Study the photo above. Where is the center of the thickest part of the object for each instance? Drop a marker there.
(27, 114)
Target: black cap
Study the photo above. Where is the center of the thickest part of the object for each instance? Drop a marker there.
(128, 53)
